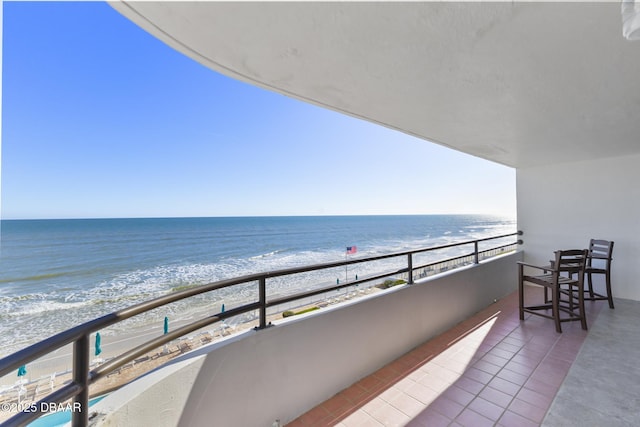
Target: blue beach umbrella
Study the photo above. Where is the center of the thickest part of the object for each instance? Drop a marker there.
(98, 339)
(22, 371)
(222, 309)
(166, 325)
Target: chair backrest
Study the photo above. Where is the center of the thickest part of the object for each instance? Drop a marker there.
(571, 261)
(600, 250)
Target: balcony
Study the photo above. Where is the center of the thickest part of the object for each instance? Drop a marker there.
(488, 369)
(365, 362)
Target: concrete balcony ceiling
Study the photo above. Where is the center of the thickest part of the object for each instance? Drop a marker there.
(522, 84)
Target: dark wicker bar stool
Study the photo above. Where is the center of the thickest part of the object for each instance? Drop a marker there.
(567, 293)
(599, 262)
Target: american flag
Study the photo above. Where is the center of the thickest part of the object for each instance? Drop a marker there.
(352, 249)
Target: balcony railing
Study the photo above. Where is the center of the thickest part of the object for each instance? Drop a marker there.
(83, 376)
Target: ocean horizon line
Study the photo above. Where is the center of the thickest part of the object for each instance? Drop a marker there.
(506, 216)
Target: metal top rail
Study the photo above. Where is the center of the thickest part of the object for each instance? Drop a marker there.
(78, 388)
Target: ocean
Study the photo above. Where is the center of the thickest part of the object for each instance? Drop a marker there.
(55, 274)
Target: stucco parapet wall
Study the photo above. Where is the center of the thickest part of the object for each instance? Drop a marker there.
(256, 377)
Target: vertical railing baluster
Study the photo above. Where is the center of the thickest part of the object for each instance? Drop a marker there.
(475, 252)
(80, 412)
(263, 302)
(410, 268)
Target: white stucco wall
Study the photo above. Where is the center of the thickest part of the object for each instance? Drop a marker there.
(285, 370)
(563, 206)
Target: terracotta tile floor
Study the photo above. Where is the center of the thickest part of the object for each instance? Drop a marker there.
(490, 370)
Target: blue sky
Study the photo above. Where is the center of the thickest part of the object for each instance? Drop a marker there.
(99, 119)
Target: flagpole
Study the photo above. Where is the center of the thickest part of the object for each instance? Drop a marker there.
(350, 250)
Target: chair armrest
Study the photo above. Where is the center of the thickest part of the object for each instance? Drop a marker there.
(545, 268)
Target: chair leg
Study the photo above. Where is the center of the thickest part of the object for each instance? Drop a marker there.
(583, 315)
(590, 282)
(520, 292)
(555, 295)
(608, 282)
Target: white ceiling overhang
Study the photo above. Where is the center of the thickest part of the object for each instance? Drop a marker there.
(521, 84)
